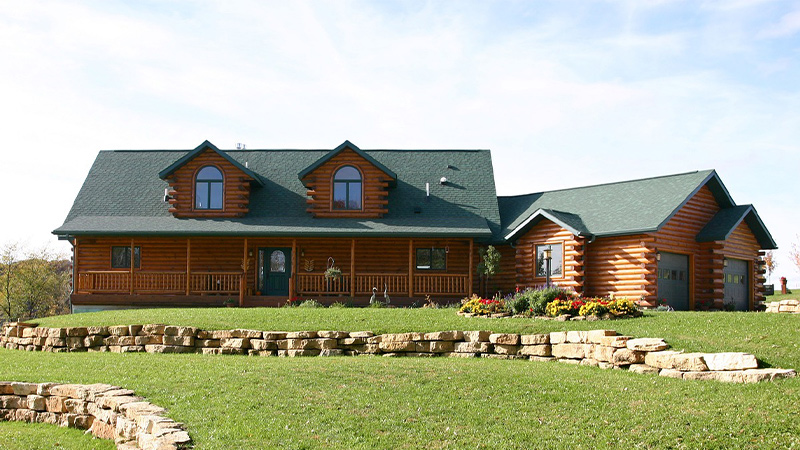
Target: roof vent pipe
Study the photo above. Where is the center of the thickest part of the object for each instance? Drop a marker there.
(240, 146)
(427, 189)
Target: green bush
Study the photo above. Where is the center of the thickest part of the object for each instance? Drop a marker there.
(519, 302)
(310, 303)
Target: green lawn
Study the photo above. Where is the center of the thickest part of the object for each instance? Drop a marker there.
(374, 402)
(777, 297)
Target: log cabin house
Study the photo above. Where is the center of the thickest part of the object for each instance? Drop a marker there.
(199, 227)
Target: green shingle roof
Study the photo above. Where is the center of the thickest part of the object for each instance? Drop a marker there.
(123, 194)
(720, 227)
(627, 207)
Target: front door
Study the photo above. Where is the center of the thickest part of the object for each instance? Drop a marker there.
(274, 270)
(736, 284)
(673, 280)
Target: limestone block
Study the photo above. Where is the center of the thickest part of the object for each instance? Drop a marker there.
(77, 332)
(12, 402)
(209, 350)
(93, 340)
(148, 340)
(55, 342)
(100, 331)
(250, 334)
(790, 302)
(73, 391)
(730, 361)
(571, 351)
(119, 340)
(24, 388)
(352, 341)
(647, 344)
(301, 335)
(444, 336)
(643, 369)
(614, 341)
(434, 346)
(534, 339)
(25, 415)
(374, 339)
(626, 356)
(115, 402)
(293, 353)
(333, 334)
(589, 362)
(472, 347)
(132, 348)
(399, 337)
(185, 341)
(102, 430)
(569, 361)
(397, 346)
(119, 330)
(361, 334)
(135, 330)
(535, 350)
(274, 335)
(558, 337)
(755, 375)
(75, 342)
(168, 348)
(504, 339)
(44, 388)
(56, 332)
(234, 343)
(325, 343)
(171, 330)
(496, 356)
(461, 354)
(670, 373)
(577, 337)
(503, 349)
(788, 308)
(707, 375)
(477, 336)
(594, 336)
(76, 406)
(603, 353)
(29, 332)
(541, 358)
(5, 388)
(605, 365)
(47, 417)
(261, 344)
(331, 352)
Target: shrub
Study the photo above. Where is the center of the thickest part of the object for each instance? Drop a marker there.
(622, 306)
(519, 303)
(483, 306)
(310, 303)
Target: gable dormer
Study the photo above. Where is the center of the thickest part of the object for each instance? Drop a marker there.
(208, 183)
(347, 182)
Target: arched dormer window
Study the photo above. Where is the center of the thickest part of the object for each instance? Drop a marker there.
(208, 188)
(347, 188)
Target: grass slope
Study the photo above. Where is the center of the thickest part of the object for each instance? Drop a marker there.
(373, 402)
(773, 338)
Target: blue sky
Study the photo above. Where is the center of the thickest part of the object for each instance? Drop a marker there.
(565, 93)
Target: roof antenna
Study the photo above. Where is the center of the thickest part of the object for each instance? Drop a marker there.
(240, 146)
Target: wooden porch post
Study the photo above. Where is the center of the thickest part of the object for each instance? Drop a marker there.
(188, 264)
(410, 267)
(352, 268)
(471, 251)
(133, 263)
(243, 276)
(295, 265)
(74, 268)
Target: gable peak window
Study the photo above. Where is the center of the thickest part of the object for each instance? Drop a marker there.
(208, 188)
(347, 188)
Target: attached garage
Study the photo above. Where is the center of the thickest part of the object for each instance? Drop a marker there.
(737, 284)
(673, 280)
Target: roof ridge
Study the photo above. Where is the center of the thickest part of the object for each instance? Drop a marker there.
(246, 150)
(607, 184)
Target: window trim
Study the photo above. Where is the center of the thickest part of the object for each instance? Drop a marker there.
(208, 183)
(347, 183)
(137, 255)
(560, 276)
(430, 251)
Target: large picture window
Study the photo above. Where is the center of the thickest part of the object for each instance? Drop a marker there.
(347, 188)
(208, 188)
(431, 259)
(556, 263)
(121, 257)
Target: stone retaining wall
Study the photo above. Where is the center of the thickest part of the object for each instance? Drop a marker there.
(784, 306)
(105, 411)
(600, 348)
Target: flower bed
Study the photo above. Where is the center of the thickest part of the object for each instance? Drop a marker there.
(550, 303)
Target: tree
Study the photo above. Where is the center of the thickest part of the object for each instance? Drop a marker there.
(769, 263)
(35, 286)
(794, 255)
(489, 265)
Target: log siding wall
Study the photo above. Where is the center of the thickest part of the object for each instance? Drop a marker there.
(374, 185)
(543, 233)
(236, 188)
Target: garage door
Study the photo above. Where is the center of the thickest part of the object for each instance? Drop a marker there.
(736, 284)
(673, 280)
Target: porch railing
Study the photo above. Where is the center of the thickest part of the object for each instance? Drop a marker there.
(317, 284)
(145, 282)
(395, 283)
(433, 284)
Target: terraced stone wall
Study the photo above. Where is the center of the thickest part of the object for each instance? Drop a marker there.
(600, 348)
(105, 411)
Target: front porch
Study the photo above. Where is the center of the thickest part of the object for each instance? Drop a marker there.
(270, 271)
